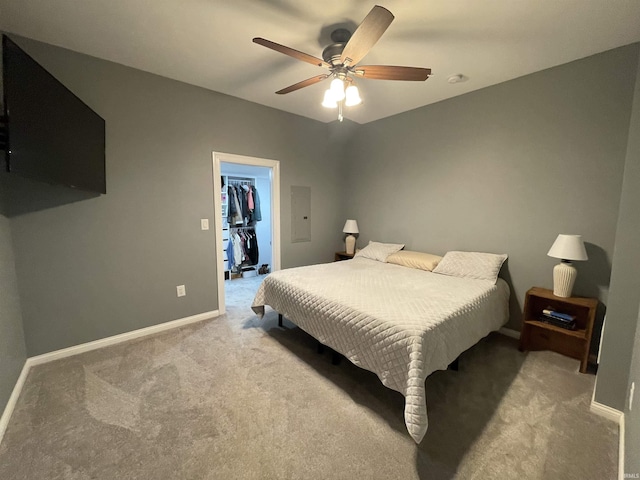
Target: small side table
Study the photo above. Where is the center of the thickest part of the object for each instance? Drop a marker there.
(539, 335)
(343, 256)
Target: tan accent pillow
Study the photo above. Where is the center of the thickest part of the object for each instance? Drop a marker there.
(419, 260)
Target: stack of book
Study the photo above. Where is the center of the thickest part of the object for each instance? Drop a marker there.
(559, 319)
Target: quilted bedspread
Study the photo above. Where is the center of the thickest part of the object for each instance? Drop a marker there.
(400, 323)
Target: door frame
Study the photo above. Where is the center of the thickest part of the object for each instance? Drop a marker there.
(274, 166)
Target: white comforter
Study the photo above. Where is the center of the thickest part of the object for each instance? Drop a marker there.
(400, 323)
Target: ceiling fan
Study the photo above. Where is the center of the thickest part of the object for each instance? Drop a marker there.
(341, 59)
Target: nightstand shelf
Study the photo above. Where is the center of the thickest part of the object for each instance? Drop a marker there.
(572, 333)
(539, 335)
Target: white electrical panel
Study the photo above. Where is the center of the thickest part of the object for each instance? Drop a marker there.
(300, 214)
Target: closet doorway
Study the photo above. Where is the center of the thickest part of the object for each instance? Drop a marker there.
(245, 175)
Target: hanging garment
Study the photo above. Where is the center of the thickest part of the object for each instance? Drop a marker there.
(244, 204)
(252, 249)
(257, 215)
(231, 212)
(245, 248)
(237, 218)
(237, 250)
(250, 199)
(230, 252)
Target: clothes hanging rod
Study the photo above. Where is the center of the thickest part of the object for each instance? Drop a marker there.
(248, 180)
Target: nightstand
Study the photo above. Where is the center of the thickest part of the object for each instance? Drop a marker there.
(343, 256)
(539, 335)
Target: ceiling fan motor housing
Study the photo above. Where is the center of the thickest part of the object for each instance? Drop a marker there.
(340, 35)
(332, 53)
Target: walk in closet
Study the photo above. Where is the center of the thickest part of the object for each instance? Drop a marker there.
(241, 214)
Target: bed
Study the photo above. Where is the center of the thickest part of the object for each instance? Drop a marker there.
(400, 323)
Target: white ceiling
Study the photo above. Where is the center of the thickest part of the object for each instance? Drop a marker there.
(208, 42)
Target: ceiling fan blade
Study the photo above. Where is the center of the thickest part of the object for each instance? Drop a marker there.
(302, 84)
(366, 35)
(390, 72)
(291, 52)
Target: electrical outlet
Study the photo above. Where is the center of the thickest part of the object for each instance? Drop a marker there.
(181, 290)
(633, 387)
(204, 223)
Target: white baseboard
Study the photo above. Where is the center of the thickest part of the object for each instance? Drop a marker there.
(123, 337)
(618, 417)
(510, 333)
(87, 347)
(606, 412)
(621, 449)
(13, 399)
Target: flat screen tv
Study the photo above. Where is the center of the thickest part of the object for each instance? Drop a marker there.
(50, 134)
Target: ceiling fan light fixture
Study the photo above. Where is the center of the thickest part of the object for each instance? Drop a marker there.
(337, 89)
(342, 59)
(352, 96)
(329, 101)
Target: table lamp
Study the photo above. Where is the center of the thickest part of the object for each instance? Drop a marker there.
(350, 227)
(567, 248)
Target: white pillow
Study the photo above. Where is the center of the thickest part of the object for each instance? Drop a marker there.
(482, 266)
(379, 251)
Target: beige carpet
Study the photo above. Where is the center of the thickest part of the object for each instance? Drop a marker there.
(239, 398)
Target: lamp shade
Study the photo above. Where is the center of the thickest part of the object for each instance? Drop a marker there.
(568, 247)
(350, 226)
(329, 101)
(352, 96)
(337, 89)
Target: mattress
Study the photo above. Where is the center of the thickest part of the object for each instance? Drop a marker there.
(400, 323)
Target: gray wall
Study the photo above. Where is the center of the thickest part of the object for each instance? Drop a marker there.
(617, 370)
(504, 169)
(12, 347)
(110, 264)
(622, 309)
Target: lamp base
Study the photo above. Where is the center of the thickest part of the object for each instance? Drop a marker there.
(564, 276)
(350, 244)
